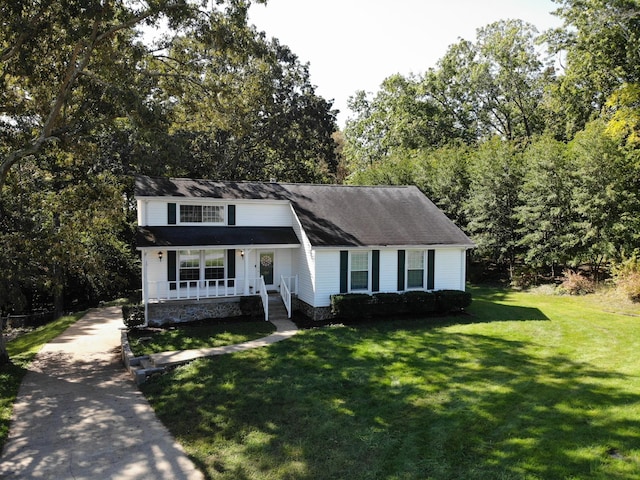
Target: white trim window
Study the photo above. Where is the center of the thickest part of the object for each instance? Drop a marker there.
(415, 269)
(196, 265)
(359, 271)
(202, 214)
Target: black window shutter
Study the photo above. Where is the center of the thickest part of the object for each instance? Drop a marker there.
(375, 274)
(231, 214)
(344, 265)
(171, 214)
(431, 258)
(171, 268)
(401, 254)
(231, 263)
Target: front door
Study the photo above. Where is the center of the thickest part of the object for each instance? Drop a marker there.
(266, 267)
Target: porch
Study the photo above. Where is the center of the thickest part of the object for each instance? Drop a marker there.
(196, 298)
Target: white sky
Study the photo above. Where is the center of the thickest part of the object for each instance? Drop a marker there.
(355, 44)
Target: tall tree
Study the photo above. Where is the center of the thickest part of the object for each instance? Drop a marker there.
(546, 215)
(496, 177)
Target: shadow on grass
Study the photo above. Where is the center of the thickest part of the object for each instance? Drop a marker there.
(390, 402)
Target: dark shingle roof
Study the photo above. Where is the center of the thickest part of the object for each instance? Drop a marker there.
(174, 236)
(334, 215)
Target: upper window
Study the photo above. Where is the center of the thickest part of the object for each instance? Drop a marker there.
(415, 269)
(201, 214)
(359, 271)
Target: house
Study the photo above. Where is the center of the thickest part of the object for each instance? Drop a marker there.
(206, 244)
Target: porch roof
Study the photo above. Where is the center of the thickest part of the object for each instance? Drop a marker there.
(214, 236)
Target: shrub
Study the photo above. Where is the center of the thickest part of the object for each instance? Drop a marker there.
(574, 283)
(452, 300)
(420, 302)
(388, 304)
(627, 278)
(133, 315)
(351, 305)
(251, 306)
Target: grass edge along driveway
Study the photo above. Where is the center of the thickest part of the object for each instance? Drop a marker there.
(530, 387)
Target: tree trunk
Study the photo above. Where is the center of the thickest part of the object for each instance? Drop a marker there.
(4, 355)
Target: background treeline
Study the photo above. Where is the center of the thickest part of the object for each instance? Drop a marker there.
(535, 156)
(529, 141)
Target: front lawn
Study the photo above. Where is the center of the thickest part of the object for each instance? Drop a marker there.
(187, 337)
(529, 387)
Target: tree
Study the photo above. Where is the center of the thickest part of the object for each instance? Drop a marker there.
(598, 41)
(496, 177)
(546, 217)
(605, 197)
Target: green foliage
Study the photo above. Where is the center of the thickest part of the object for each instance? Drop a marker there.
(252, 307)
(356, 306)
(133, 315)
(451, 300)
(626, 275)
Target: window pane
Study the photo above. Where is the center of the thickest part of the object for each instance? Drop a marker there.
(189, 265)
(359, 261)
(213, 213)
(415, 278)
(190, 213)
(214, 264)
(359, 270)
(359, 280)
(415, 260)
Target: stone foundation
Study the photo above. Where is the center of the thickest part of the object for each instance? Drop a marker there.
(317, 314)
(166, 313)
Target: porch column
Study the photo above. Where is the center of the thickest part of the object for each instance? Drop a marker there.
(245, 261)
(145, 288)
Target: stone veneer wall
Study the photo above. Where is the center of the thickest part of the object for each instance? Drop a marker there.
(166, 313)
(317, 314)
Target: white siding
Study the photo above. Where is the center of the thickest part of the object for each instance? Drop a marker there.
(449, 269)
(263, 214)
(388, 270)
(305, 261)
(327, 276)
(155, 214)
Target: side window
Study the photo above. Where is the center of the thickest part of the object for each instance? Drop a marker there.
(359, 271)
(415, 269)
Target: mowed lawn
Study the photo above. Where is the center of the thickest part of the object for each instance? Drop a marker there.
(528, 387)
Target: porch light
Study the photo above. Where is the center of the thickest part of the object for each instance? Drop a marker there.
(160, 255)
(242, 253)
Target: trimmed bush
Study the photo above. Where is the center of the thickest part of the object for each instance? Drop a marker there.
(251, 306)
(133, 315)
(419, 302)
(452, 300)
(388, 304)
(351, 306)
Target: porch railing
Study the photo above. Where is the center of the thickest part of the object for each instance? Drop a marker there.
(262, 290)
(288, 285)
(197, 289)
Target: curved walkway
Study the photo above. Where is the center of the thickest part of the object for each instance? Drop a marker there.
(79, 416)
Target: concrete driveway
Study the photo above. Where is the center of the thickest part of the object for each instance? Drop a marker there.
(80, 416)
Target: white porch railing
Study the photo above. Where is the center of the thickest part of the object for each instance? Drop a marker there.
(288, 285)
(198, 289)
(262, 290)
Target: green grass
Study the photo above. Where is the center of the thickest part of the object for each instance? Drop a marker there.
(21, 351)
(187, 337)
(529, 387)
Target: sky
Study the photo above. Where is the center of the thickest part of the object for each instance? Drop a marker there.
(353, 45)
